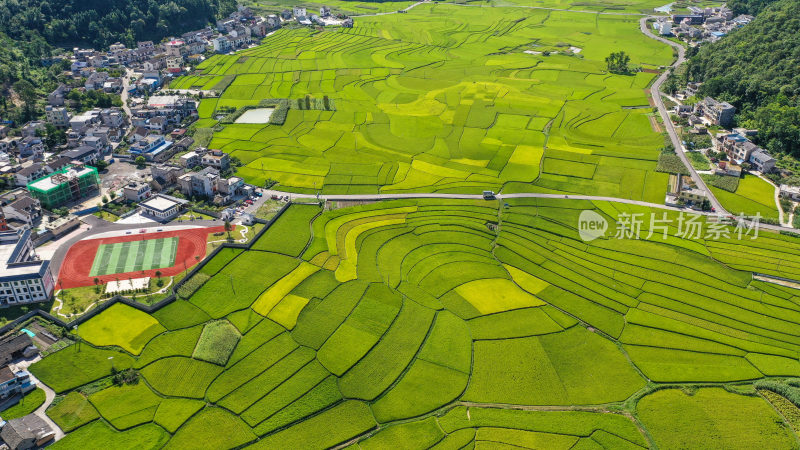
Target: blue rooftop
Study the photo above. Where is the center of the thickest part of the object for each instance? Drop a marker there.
(155, 150)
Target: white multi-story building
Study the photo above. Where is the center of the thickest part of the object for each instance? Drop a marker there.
(24, 278)
(57, 115)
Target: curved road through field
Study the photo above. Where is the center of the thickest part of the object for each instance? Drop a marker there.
(655, 91)
(377, 197)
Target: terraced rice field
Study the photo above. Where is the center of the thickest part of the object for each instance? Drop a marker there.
(446, 98)
(424, 321)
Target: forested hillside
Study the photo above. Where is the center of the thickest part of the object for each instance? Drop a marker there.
(30, 30)
(102, 22)
(757, 69)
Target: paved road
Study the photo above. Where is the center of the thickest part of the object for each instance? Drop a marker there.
(126, 83)
(377, 197)
(506, 6)
(777, 194)
(655, 91)
(390, 12)
(49, 395)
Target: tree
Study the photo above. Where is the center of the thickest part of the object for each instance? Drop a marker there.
(617, 62)
(140, 161)
(27, 92)
(54, 137)
(228, 228)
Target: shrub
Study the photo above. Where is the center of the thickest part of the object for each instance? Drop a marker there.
(729, 184)
(671, 163)
(791, 393)
(191, 285)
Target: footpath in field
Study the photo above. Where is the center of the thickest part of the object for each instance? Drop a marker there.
(425, 320)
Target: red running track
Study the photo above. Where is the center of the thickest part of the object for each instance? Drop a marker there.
(80, 257)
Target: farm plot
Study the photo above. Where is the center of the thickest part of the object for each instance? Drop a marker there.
(444, 303)
(424, 103)
(104, 328)
(753, 196)
(712, 417)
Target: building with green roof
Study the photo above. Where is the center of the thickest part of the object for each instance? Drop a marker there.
(68, 184)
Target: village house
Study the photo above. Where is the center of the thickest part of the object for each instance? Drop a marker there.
(58, 116)
(29, 147)
(83, 154)
(762, 161)
(23, 209)
(153, 148)
(727, 168)
(136, 191)
(26, 432)
(190, 159)
(57, 163)
(32, 129)
(165, 175)
(162, 207)
(95, 81)
(683, 110)
(790, 192)
(216, 159)
(18, 346)
(56, 98)
(718, 113)
(29, 173)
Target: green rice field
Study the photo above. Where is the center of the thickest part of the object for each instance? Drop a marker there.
(453, 323)
(754, 196)
(444, 323)
(446, 98)
(134, 256)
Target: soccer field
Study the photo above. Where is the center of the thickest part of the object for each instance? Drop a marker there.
(134, 256)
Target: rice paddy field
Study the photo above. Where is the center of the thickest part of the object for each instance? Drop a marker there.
(753, 196)
(452, 324)
(445, 98)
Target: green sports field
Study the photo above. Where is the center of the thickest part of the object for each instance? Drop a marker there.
(134, 256)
